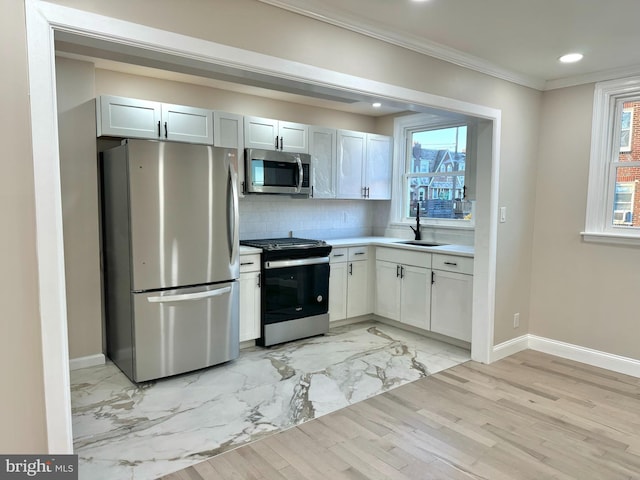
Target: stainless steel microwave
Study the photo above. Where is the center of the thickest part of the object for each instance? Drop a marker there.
(271, 171)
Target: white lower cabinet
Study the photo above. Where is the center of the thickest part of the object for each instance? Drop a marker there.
(403, 286)
(349, 283)
(451, 296)
(249, 297)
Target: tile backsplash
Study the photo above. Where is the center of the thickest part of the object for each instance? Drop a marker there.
(272, 216)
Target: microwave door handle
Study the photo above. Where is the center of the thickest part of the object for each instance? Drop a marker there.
(300, 174)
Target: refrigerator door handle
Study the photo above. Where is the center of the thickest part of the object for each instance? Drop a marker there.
(189, 296)
(235, 245)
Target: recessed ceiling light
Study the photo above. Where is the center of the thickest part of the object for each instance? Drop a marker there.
(571, 58)
(376, 105)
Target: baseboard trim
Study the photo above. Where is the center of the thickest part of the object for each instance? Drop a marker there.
(595, 358)
(88, 361)
(510, 347)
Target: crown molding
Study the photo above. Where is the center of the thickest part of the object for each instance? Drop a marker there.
(410, 42)
(601, 76)
(442, 52)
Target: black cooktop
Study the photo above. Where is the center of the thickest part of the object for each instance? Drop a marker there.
(283, 243)
(289, 247)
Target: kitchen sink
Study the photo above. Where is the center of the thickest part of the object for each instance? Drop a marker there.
(420, 243)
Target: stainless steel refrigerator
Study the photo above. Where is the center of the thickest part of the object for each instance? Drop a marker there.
(170, 257)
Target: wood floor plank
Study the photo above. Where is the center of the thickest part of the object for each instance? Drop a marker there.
(530, 416)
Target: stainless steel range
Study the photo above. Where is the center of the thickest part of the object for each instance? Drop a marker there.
(295, 288)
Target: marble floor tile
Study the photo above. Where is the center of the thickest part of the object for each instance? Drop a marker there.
(127, 431)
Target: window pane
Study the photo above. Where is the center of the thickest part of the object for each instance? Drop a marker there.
(439, 155)
(439, 196)
(625, 208)
(625, 127)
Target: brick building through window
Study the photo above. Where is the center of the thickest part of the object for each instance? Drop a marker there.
(626, 203)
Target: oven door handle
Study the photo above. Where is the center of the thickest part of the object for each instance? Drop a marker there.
(300, 262)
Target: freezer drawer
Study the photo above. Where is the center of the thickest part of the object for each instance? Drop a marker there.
(176, 331)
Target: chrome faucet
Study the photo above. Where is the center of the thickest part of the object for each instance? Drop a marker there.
(416, 230)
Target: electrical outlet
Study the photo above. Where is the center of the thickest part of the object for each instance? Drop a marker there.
(503, 214)
(516, 320)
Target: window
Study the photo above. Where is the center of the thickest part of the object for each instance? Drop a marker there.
(613, 206)
(626, 128)
(435, 172)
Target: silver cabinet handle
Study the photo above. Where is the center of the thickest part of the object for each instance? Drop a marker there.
(359, 253)
(453, 264)
(247, 263)
(338, 255)
(183, 297)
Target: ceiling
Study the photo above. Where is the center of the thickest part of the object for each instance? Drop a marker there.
(519, 40)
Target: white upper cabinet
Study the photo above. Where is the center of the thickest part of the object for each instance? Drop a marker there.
(363, 165)
(351, 158)
(269, 134)
(127, 117)
(377, 174)
(133, 118)
(187, 124)
(228, 130)
(322, 148)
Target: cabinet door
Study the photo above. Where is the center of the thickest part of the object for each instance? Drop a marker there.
(378, 167)
(294, 137)
(127, 117)
(187, 124)
(358, 289)
(260, 133)
(387, 290)
(228, 132)
(415, 296)
(451, 300)
(351, 158)
(322, 147)
(338, 291)
(249, 306)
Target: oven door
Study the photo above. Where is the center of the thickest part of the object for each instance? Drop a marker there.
(295, 289)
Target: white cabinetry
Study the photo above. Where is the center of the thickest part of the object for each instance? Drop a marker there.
(322, 148)
(133, 118)
(349, 283)
(249, 296)
(403, 280)
(451, 296)
(228, 132)
(269, 134)
(363, 165)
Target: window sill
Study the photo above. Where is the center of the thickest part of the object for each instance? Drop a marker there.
(611, 238)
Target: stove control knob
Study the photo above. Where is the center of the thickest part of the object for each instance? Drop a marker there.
(319, 298)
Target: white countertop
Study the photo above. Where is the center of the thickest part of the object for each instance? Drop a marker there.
(453, 249)
(244, 250)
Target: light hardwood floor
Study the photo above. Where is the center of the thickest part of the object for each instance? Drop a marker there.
(529, 416)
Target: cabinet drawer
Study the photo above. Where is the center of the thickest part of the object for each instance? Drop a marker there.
(404, 257)
(250, 263)
(338, 255)
(358, 253)
(453, 263)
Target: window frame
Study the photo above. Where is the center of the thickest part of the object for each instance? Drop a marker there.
(608, 104)
(403, 128)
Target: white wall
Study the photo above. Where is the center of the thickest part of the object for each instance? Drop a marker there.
(582, 293)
